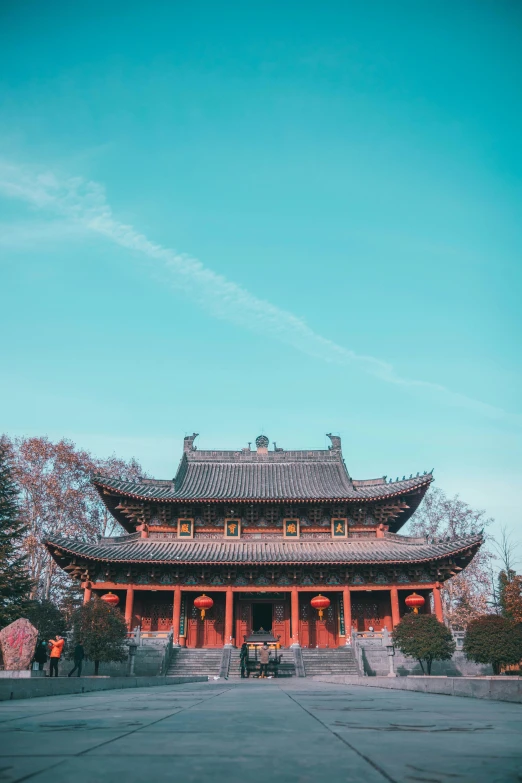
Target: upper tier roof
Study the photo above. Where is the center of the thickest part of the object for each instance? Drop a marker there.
(263, 475)
(391, 549)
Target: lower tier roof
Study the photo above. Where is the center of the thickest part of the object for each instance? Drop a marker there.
(210, 552)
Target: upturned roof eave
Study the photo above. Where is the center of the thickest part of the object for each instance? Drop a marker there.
(471, 545)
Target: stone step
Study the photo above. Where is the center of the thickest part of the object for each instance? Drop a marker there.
(329, 661)
(286, 667)
(195, 662)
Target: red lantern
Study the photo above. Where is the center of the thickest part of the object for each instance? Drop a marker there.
(203, 602)
(320, 602)
(415, 602)
(110, 599)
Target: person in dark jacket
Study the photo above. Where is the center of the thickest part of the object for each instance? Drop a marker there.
(40, 654)
(78, 656)
(243, 660)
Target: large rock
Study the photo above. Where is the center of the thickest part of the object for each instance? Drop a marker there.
(18, 642)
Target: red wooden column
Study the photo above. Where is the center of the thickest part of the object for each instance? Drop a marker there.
(87, 593)
(295, 617)
(347, 606)
(229, 617)
(396, 615)
(129, 606)
(176, 614)
(437, 604)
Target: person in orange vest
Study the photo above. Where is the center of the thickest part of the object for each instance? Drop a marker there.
(56, 646)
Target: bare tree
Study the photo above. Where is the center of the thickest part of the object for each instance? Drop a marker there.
(506, 550)
(466, 595)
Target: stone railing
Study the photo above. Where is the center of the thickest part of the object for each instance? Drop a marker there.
(369, 640)
(153, 649)
(148, 638)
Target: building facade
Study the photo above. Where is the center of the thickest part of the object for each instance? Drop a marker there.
(262, 532)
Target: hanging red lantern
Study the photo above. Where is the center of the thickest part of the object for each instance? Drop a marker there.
(320, 602)
(203, 602)
(415, 602)
(110, 599)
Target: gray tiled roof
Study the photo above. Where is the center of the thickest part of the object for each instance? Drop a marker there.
(265, 481)
(348, 552)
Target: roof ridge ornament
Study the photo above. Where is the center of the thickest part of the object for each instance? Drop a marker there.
(188, 442)
(336, 442)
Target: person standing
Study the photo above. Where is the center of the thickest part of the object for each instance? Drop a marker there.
(264, 658)
(243, 660)
(56, 646)
(40, 654)
(79, 655)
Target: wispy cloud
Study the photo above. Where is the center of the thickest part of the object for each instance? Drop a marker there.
(84, 207)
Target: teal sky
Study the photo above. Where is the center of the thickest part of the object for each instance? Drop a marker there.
(293, 218)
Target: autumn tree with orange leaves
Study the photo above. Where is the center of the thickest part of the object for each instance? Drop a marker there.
(57, 498)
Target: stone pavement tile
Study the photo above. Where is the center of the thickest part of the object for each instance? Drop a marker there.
(441, 756)
(243, 743)
(119, 720)
(54, 743)
(208, 768)
(234, 721)
(18, 768)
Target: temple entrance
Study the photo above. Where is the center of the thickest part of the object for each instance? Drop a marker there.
(262, 617)
(271, 612)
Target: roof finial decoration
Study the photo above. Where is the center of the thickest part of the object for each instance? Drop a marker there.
(188, 442)
(336, 441)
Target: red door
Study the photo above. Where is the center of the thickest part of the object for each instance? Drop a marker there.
(314, 632)
(209, 632)
(156, 616)
(371, 610)
(243, 621)
(281, 621)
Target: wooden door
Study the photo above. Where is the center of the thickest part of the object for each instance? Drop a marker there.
(243, 621)
(281, 621)
(209, 632)
(156, 616)
(314, 632)
(371, 610)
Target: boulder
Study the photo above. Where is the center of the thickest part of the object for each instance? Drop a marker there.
(18, 642)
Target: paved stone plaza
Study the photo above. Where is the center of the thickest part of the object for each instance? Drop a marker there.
(260, 731)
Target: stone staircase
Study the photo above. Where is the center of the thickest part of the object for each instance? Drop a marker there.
(286, 667)
(194, 662)
(340, 660)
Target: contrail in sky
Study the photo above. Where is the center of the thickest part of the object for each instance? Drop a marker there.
(85, 204)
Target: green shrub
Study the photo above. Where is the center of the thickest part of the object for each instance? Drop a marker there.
(421, 636)
(102, 631)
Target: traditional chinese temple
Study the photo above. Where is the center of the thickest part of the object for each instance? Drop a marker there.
(258, 540)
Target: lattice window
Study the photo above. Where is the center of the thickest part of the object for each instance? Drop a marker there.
(244, 614)
(315, 514)
(304, 611)
(251, 514)
(209, 514)
(271, 514)
(279, 613)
